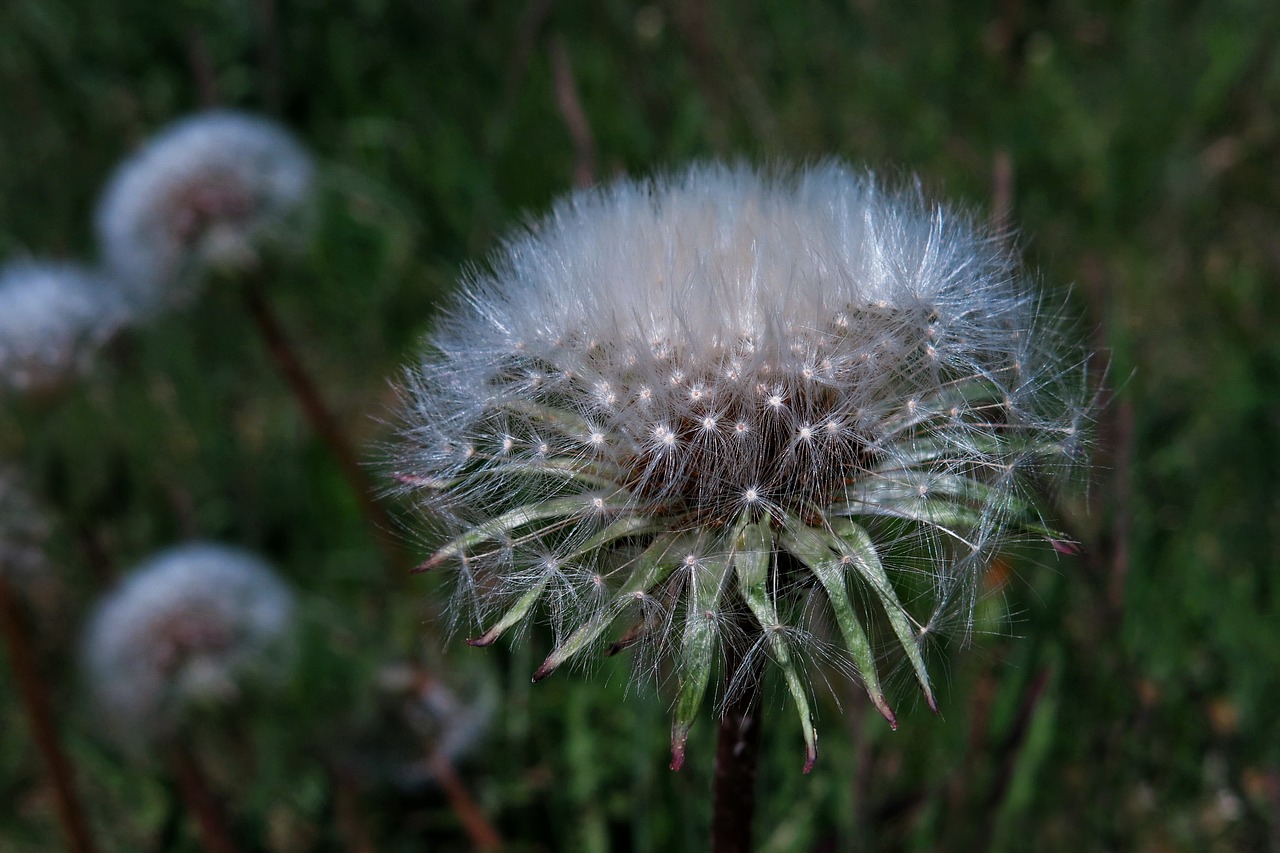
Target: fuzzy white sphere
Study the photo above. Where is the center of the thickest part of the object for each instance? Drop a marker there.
(190, 627)
(695, 405)
(53, 318)
(203, 193)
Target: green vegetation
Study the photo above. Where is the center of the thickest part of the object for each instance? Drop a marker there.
(1122, 698)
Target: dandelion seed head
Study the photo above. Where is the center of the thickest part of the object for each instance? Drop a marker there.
(53, 317)
(193, 626)
(206, 192)
(880, 359)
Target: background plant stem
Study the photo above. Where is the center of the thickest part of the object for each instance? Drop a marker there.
(321, 419)
(200, 801)
(35, 699)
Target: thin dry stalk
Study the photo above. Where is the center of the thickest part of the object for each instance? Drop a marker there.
(39, 711)
(569, 103)
(482, 833)
(1001, 191)
(321, 418)
(200, 801)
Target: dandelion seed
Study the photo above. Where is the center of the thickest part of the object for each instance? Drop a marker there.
(728, 284)
(206, 192)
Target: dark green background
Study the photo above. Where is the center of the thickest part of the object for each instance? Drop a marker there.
(1124, 699)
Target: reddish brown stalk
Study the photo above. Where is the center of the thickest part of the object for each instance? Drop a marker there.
(202, 69)
(347, 815)
(200, 801)
(575, 117)
(39, 710)
(321, 419)
(482, 833)
(737, 759)
(1001, 192)
(268, 53)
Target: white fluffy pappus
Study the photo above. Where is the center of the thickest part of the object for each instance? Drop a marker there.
(191, 627)
(53, 317)
(205, 192)
(694, 406)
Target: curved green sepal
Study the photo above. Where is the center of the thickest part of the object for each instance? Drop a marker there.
(851, 541)
(754, 555)
(517, 612)
(950, 501)
(706, 584)
(651, 569)
(811, 547)
(518, 517)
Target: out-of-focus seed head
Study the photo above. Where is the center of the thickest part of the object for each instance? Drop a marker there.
(53, 318)
(191, 627)
(206, 192)
(727, 410)
(449, 719)
(23, 530)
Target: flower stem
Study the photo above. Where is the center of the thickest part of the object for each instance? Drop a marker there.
(737, 754)
(35, 700)
(200, 801)
(320, 417)
(482, 833)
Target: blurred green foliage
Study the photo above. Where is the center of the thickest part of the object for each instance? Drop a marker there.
(1124, 698)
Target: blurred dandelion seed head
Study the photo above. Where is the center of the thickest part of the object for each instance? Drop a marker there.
(190, 627)
(53, 317)
(206, 193)
(451, 718)
(683, 406)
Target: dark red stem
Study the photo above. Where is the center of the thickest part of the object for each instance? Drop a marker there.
(200, 801)
(318, 415)
(737, 759)
(39, 710)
